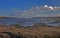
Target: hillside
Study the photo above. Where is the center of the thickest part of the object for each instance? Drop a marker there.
(39, 30)
(30, 32)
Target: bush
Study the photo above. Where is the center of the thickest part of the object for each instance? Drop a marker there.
(56, 35)
(40, 24)
(17, 25)
(1, 36)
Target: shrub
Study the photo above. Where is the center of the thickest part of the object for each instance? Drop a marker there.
(40, 24)
(17, 25)
(1, 36)
(56, 35)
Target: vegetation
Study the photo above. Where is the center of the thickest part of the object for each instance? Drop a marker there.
(17, 25)
(39, 30)
(40, 24)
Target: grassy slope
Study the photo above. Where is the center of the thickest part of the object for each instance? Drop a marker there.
(34, 32)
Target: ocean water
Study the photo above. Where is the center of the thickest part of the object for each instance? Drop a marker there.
(29, 21)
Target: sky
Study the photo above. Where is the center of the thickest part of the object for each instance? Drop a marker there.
(11, 7)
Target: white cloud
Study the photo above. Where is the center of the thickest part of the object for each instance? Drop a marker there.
(45, 6)
(51, 7)
(33, 12)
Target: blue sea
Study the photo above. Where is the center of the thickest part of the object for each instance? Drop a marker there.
(29, 21)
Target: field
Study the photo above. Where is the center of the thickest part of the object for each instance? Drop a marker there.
(37, 31)
(29, 32)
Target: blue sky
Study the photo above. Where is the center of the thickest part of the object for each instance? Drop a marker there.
(7, 6)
